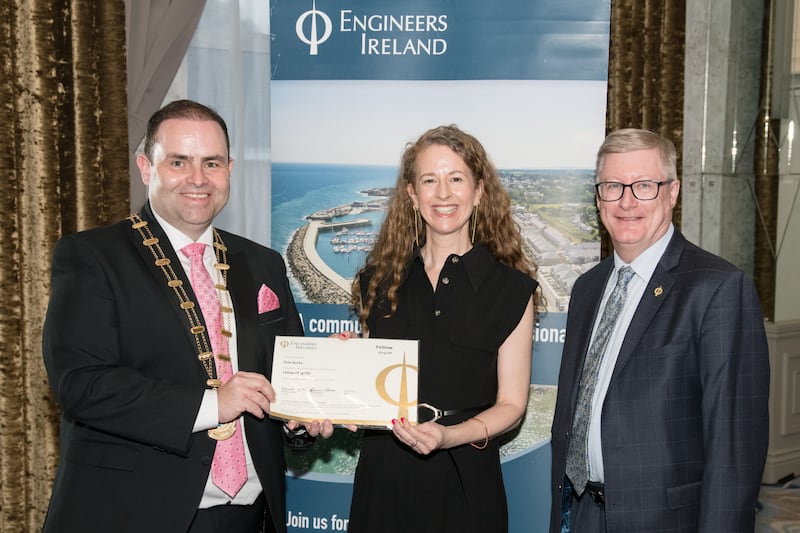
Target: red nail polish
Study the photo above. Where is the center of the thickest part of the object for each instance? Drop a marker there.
(403, 420)
(394, 421)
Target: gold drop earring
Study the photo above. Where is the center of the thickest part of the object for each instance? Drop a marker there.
(416, 226)
(473, 219)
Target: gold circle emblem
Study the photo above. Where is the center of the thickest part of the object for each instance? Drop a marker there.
(223, 431)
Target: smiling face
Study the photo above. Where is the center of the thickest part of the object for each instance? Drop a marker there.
(634, 225)
(188, 179)
(445, 192)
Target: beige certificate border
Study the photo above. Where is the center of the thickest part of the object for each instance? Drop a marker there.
(360, 382)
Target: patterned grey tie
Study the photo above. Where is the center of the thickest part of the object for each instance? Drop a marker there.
(577, 456)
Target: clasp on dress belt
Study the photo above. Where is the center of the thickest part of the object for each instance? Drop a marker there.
(437, 413)
(597, 491)
(459, 414)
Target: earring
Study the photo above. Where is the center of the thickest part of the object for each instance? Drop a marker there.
(416, 226)
(473, 220)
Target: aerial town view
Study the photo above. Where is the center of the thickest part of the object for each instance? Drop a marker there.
(554, 208)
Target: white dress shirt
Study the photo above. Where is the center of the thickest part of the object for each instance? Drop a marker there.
(644, 266)
(208, 415)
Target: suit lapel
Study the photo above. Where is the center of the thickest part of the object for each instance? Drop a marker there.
(588, 317)
(170, 299)
(244, 297)
(584, 319)
(655, 294)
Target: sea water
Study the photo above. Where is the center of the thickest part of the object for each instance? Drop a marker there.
(300, 189)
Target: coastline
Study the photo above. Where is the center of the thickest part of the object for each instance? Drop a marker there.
(316, 287)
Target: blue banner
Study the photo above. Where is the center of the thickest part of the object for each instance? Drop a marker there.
(440, 40)
(352, 83)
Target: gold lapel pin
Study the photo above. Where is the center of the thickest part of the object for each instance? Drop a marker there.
(658, 291)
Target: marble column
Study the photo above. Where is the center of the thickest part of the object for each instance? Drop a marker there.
(784, 332)
(721, 104)
(787, 108)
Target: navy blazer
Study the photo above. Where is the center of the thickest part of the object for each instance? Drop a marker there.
(685, 420)
(124, 368)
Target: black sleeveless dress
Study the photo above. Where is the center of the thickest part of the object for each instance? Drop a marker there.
(477, 303)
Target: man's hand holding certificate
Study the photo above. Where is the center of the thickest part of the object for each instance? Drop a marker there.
(361, 382)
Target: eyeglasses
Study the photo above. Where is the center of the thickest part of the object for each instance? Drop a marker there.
(611, 191)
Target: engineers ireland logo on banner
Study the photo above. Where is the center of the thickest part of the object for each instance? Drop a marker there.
(314, 18)
(378, 33)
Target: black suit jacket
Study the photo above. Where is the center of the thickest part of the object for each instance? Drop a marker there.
(685, 419)
(124, 368)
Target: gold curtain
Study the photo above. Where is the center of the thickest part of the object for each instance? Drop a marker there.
(645, 73)
(63, 168)
(766, 173)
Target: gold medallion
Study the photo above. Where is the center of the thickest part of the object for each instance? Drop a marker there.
(202, 341)
(223, 431)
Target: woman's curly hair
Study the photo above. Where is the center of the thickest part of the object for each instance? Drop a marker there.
(394, 245)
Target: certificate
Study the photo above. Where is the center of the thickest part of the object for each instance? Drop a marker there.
(361, 382)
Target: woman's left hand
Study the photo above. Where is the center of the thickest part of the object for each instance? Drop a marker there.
(422, 439)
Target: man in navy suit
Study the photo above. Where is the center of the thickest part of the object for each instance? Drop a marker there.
(133, 362)
(662, 424)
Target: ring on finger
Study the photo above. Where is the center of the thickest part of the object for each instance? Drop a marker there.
(415, 444)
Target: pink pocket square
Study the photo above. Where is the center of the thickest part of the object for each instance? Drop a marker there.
(267, 300)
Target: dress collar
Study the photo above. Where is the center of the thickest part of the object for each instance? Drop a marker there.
(477, 263)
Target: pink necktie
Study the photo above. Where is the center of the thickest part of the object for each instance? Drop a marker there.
(229, 467)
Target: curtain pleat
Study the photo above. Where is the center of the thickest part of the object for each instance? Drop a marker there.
(64, 168)
(159, 33)
(766, 178)
(645, 74)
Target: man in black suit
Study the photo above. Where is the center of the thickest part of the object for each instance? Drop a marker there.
(134, 357)
(661, 417)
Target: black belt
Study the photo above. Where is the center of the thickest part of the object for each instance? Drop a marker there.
(597, 491)
(428, 413)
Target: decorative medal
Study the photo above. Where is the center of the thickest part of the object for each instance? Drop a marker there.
(223, 431)
(204, 352)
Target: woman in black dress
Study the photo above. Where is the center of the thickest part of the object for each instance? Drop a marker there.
(447, 269)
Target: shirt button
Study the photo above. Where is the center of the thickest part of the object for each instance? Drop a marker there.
(445, 280)
(438, 312)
